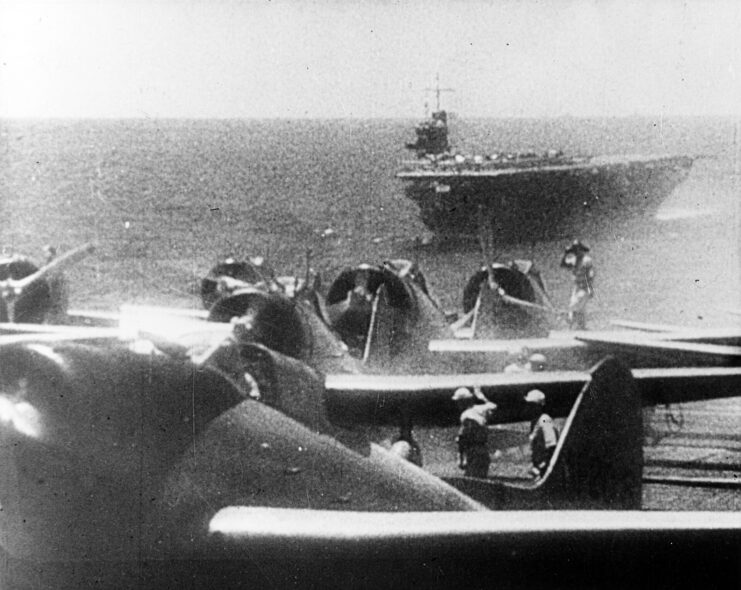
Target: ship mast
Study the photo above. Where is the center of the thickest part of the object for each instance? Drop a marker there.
(437, 90)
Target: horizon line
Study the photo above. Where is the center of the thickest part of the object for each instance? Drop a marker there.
(356, 118)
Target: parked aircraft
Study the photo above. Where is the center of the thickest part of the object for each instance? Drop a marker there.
(137, 468)
(386, 316)
(158, 455)
(25, 295)
(398, 328)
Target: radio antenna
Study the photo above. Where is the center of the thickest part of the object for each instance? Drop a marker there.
(437, 90)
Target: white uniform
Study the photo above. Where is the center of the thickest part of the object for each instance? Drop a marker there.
(543, 441)
(582, 292)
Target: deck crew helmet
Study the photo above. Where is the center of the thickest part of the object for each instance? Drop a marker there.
(535, 396)
(537, 362)
(462, 394)
(577, 247)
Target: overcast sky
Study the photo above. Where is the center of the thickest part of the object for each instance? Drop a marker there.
(250, 58)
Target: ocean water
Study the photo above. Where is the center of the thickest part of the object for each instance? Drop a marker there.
(164, 199)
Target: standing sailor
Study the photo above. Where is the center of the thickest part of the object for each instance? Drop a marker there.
(576, 259)
(473, 435)
(543, 433)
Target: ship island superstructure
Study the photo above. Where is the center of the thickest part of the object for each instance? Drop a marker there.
(516, 194)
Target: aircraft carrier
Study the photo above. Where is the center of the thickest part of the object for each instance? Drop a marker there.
(520, 195)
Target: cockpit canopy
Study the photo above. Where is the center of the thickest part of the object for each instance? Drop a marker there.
(253, 271)
(270, 319)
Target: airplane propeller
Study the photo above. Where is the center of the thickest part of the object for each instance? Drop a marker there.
(11, 288)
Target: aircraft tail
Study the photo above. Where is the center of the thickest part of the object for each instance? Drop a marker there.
(599, 460)
(598, 463)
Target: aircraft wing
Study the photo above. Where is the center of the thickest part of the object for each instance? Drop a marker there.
(129, 312)
(42, 329)
(170, 329)
(507, 346)
(58, 336)
(680, 333)
(687, 384)
(476, 548)
(644, 345)
(681, 352)
(638, 334)
(379, 399)
(274, 529)
(645, 327)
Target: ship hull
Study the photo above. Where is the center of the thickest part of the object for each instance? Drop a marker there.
(523, 204)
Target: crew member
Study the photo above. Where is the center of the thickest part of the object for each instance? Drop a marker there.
(537, 363)
(579, 263)
(543, 433)
(473, 434)
(58, 291)
(518, 361)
